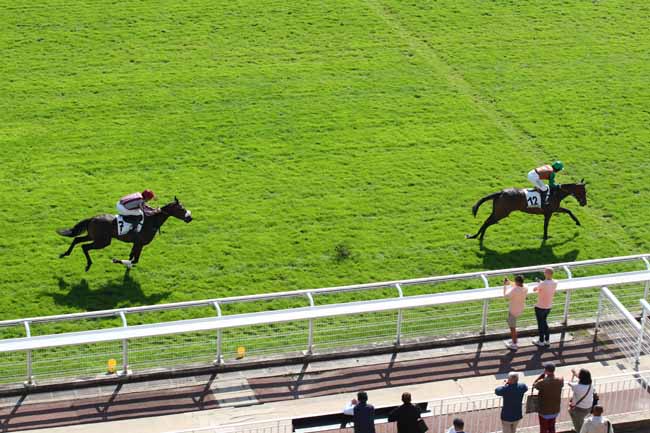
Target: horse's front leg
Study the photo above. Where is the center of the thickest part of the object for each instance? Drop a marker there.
(547, 219)
(567, 211)
(134, 256)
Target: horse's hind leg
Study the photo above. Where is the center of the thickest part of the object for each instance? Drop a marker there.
(97, 245)
(75, 241)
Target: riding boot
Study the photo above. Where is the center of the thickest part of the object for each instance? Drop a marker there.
(547, 197)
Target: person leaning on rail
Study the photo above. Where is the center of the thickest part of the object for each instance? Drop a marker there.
(362, 413)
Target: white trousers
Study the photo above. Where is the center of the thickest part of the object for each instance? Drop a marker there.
(124, 211)
(535, 180)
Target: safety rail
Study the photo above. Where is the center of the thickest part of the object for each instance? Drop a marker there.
(208, 340)
(620, 394)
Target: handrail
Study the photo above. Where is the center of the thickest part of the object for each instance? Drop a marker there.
(303, 313)
(302, 293)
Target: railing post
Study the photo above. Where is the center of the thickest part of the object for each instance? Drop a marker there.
(647, 283)
(639, 348)
(399, 316)
(125, 347)
(310, 336)
(484, 318)
(599, 312)
(30, 377)
(567, 299)
(219, 359)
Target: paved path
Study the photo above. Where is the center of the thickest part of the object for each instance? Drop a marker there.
(206, 400)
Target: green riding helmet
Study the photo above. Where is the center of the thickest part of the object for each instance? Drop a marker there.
(557, 166)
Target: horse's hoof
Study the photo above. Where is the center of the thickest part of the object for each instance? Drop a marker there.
(469, 237)
(116, 261)
(62, 255)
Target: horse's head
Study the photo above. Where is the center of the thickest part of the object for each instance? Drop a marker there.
(579, 191)
(177, 210)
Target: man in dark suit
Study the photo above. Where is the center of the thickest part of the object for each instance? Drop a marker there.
(406, 416)
(363, 414)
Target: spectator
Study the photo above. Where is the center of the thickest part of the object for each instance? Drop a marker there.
(545, 292)
(517, 295)
(550, 396)
(513, 393)
(597, 423)
(406, 415)
(363, 414)
(583, 397)
(458, 427)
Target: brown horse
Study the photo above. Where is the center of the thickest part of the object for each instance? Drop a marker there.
(103, 228)
(512, 199)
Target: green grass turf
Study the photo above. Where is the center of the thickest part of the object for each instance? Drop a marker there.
(295, 130)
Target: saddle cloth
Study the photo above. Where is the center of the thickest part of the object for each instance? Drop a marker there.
(123, 227)
(533, 198)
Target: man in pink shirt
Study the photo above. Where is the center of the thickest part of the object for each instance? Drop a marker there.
(545, 292)
(517, 295)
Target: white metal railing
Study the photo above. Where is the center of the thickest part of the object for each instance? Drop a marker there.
(622, 327)
(208, 339)
(620, 394)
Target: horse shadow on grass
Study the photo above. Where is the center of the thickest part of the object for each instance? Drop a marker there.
(119, 292)
(527, 256)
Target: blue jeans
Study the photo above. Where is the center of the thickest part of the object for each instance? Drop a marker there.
(542, 325)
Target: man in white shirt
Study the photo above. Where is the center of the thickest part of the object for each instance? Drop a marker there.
(597, 423)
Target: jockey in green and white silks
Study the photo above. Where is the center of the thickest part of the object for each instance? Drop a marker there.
(545, 172)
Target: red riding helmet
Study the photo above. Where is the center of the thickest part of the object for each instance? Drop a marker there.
(148, 194)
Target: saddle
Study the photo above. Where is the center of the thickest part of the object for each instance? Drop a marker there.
(125, 223)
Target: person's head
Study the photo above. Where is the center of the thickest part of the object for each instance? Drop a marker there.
(557, 166)
(597, 410)
(513, 377)
(584, 377)
(406, 397)
(148, 194)
(549, 368)
(519, 280)
(459, 424)
(362, 396)
(548, 273)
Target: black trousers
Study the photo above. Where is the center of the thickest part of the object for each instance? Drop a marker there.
(541, 314)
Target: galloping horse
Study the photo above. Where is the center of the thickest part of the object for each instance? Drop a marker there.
(102, 228)
(512, 199)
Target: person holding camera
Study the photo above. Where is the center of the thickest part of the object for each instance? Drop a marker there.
(517, 295)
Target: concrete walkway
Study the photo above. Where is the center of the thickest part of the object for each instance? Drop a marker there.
(322, 387)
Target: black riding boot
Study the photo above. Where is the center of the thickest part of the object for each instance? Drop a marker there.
(547, 197)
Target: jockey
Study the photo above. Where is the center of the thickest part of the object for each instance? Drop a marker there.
(134, 205)
(545, 172)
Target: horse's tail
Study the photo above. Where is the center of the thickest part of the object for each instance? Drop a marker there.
(483, 200)
(78, 229)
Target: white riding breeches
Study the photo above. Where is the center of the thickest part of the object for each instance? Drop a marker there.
(124, 211)
(535, 180)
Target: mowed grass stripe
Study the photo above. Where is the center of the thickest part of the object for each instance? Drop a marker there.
(287, 129)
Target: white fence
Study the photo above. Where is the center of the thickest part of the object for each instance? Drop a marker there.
(622, 394)
(295, 324)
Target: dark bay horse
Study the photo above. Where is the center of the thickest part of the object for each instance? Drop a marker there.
(103, 228)
(512, 199)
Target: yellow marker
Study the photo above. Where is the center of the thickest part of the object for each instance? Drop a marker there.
(241, 352)
(112, 365)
